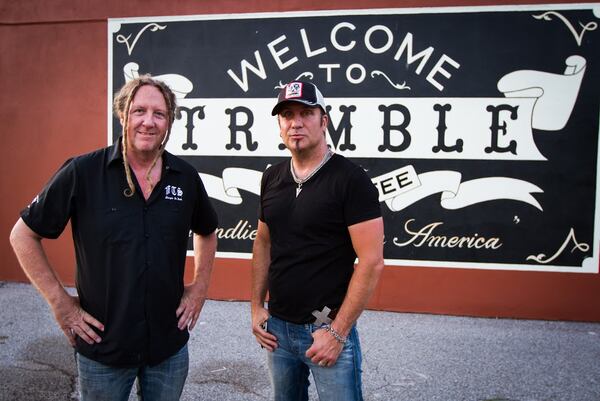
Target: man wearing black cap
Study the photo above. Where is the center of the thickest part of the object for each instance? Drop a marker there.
(318, 213)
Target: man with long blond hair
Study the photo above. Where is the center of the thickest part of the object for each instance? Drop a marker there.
(132, 206)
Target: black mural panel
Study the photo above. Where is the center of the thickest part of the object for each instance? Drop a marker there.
(478, 126)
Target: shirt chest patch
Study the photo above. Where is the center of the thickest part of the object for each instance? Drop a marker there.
(173, 193)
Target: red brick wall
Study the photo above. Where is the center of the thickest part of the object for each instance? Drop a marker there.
(45, 118)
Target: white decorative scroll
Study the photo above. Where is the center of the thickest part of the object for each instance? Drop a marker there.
(430, 183)
(242, 178)
(555, 93)
(590, 26)
(125, 39)
(216, 190)
(179, 84)
(580, 246)
(491, 188)
(226, 188)
(456, 194)
(402, 86)
(396, 182)
(490, 128)
(214, 129)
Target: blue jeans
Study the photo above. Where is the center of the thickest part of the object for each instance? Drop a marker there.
(162, 382)
(289, 367)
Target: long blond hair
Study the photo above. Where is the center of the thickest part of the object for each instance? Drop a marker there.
(121, 106)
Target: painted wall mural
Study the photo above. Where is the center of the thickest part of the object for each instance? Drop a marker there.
(478, 126)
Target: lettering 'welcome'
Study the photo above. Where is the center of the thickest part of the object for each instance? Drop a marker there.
(354, 73)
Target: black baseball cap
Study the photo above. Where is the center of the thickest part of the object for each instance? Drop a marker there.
(299, 91)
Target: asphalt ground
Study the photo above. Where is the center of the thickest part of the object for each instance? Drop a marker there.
(407, 357)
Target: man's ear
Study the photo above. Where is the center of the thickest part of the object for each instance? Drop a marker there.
(325, 120)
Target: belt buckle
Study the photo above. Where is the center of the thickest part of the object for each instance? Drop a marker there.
(322, 316)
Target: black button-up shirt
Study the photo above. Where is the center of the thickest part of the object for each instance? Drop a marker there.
(130, 252)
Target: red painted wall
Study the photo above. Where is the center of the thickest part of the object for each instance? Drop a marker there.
(53, 71)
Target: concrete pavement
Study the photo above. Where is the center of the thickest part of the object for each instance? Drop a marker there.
(407, 357)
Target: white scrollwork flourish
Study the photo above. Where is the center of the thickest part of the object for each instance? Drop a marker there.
(401, 86)
(590, 26)
(306, 74)
(125, 40)
(583, 247)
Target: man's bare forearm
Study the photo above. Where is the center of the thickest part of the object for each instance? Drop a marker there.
(261, 259)
(28, 248)
(205, 248)
(367, 240)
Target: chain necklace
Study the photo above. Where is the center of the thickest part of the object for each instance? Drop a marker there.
(299, 181)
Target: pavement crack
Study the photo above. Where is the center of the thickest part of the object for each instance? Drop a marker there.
(238, 386)
(71, 376)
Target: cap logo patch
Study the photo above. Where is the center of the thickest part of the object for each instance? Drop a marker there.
(293, 90)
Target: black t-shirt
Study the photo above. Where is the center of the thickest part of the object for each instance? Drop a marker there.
(312, 258)
(130, 252)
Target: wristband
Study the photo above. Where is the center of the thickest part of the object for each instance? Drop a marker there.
(335, 334)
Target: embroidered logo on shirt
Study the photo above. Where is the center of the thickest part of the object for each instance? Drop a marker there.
(173, 193)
